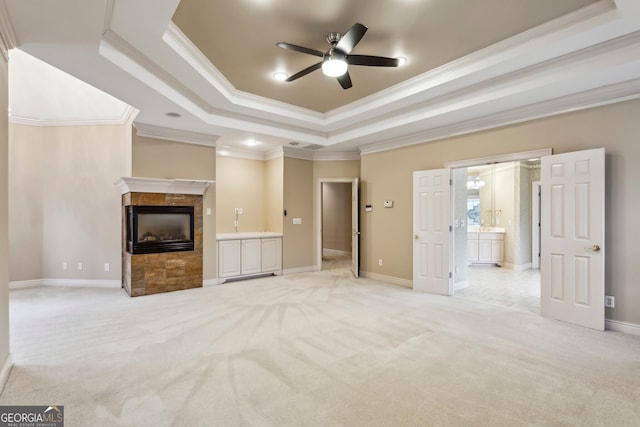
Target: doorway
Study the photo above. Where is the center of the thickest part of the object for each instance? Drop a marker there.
(497, 202)
(337, 224)
(572, 229)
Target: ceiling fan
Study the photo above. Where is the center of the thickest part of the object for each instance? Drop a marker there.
(336, 60)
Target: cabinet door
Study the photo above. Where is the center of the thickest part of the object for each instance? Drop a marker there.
(271, 255)
(484, 250)
(251, 251)
(497, 250)
(472, 250)
(228, 258)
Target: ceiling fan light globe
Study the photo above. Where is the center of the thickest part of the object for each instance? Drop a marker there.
(334, 67)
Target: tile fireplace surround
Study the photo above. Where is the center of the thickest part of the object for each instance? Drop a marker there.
(145, 274)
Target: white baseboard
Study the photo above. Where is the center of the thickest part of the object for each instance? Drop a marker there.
(460, 285)
(5, 371)
(335, 252)
(627, 328)
(299, 270)
(517, 267)
(388, 279)
(76, 283)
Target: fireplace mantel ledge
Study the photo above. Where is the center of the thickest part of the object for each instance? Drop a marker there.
(158, 185)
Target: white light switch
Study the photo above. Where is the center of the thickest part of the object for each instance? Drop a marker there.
(297, 221)
(208, 211)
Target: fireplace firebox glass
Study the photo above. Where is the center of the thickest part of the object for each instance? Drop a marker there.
(154, 229)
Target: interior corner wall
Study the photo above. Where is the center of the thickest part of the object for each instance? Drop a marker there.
(615, 127)
(241, 184)
(159, 158)
(4, 215)
(297, 239)
(70, 212)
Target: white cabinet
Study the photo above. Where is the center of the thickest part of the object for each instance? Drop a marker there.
(249, 254)
(485, 248)
(271, 254)
(229, 258)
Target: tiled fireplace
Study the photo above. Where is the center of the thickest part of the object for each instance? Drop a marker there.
(161, 234)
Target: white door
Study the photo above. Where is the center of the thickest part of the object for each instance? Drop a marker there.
(355, 229)
(572, 262)
(431, 231)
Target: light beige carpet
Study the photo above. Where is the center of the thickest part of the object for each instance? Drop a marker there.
(317, 349)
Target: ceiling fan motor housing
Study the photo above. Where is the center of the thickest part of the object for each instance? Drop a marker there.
(333, 38)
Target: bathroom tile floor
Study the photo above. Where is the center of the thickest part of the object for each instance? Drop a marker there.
(501, 286)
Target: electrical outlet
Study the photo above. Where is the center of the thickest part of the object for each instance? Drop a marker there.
(610, 301)
(65, 265)
(380, 262)
(107, 267)
(79, 266)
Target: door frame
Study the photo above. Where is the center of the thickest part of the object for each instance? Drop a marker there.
(318, 215)
(536, 188)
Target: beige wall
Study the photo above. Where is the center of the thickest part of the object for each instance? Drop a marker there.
(156, 158)
(274, 184)
(70, 211)
(297, 242)
(388, 175)
(240, 184)
(26, 202)
(4, 212)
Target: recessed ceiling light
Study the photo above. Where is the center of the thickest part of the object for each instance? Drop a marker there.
(280, 76)
(223, 153)
(252, 142)
(401, 61)
(174, 115)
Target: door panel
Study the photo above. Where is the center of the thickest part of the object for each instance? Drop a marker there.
(572, 262)
(431, 217)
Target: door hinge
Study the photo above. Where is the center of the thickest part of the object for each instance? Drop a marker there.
(450, 228)
(450, 181)
(450, 275)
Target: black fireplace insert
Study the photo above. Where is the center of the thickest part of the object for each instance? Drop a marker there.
(156, 229)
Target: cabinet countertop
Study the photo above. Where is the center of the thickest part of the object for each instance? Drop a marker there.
(247, 235)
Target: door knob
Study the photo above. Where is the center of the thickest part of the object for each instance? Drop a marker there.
(595, 248)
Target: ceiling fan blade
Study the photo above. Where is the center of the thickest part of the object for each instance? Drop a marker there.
(300, 49)
(345, 80)
(372, 61)
(351, 38)
(304, 72)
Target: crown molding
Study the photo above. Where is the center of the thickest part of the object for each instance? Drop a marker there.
(336, 155)
(7, 35)
(178, 135)
(128, 113)
(593, 98)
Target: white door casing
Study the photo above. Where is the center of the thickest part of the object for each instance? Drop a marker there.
(573, 256)
(355, 229)
(431, 231)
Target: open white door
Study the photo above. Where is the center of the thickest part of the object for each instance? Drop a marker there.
(431, 231)
(572, 261)
(355, 229)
